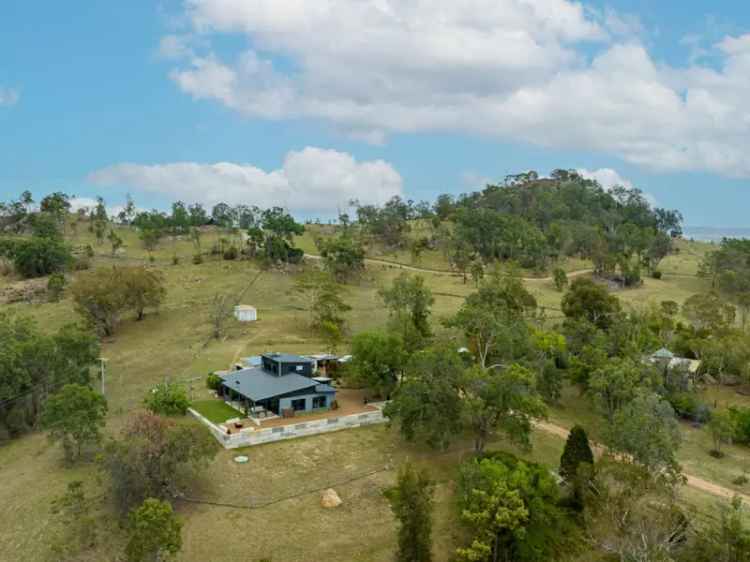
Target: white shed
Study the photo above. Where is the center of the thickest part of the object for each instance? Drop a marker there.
(245, 313)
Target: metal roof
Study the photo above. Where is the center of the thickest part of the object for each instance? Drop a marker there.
(287, 358)
(256, 384)
(663, 353)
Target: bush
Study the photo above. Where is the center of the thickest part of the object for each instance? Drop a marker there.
(198, 259)
(740, 480)
(740, 418)
(213, 381)
(560, 279)
(167, 399)
(175, 260)
(231, 253)
(55, 286)
(41, 256)
(89, 251)
(716, 454)
(81, 263)
(687, 406)
(656, 274)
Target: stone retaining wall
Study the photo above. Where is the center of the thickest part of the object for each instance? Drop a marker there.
(249, 436)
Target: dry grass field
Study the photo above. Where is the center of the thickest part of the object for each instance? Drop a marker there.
(275, 497)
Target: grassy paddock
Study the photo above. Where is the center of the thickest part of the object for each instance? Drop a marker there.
(176, 344)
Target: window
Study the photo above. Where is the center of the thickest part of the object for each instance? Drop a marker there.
(319, 402)
(299, 404)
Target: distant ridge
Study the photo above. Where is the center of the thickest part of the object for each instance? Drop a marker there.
(715, 233)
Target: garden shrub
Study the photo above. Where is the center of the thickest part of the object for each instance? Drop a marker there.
(213, 381)
(167, 399)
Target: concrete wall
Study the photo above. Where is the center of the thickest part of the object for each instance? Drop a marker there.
(249, 437)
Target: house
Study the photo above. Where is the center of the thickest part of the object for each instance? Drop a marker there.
(281, 385)
(679, 372)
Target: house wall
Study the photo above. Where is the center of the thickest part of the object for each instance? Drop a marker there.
(246, 315)
(303, 368)
(286, 402)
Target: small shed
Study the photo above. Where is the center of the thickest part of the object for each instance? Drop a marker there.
(245, 313)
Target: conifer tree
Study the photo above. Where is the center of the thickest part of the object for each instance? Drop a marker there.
(577, 451)
(411, 502)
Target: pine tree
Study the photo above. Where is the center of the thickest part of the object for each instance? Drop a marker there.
(577, 451)
(411, 502)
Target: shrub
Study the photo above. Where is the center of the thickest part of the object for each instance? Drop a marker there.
(741, 480)
(41, 256)
(687, 406)
(560, 279)
(656, 274)
(167, 399)
(740, 418)
(231, 253)
(81, 263)
(55, 286)
(213, 381)
(198, 259)
(89, 251)
(175, 260)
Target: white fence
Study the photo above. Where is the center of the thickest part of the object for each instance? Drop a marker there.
(250, 436)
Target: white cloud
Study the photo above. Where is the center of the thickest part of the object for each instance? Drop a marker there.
(312, 180)
(89, 203)
(474, 181)
(175, 47)
(607, 177)
(9, 96)
(514, 69)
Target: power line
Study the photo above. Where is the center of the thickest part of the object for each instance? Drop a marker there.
(263, 504)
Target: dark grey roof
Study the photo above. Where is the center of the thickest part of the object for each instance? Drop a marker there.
(324, 389)
(287, 358)
(256, 384)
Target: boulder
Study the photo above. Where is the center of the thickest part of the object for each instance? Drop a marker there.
(330, 499)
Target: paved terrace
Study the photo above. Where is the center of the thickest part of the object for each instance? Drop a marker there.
(350, 401)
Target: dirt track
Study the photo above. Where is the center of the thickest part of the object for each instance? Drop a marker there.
(692, 481)
(397, 265)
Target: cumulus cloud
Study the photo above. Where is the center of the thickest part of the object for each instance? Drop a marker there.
(607, 177)
(89, 203)
(312, 180)
(514, 69)
(9, 96)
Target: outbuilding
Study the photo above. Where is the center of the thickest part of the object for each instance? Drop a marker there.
(245, 313)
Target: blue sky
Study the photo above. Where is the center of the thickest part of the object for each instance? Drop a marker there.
(275, 101)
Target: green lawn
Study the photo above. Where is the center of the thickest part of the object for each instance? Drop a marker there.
(216, 411)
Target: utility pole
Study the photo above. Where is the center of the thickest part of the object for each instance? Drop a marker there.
(102, 360)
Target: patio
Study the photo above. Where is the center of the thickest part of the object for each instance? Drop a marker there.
(350, 401)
